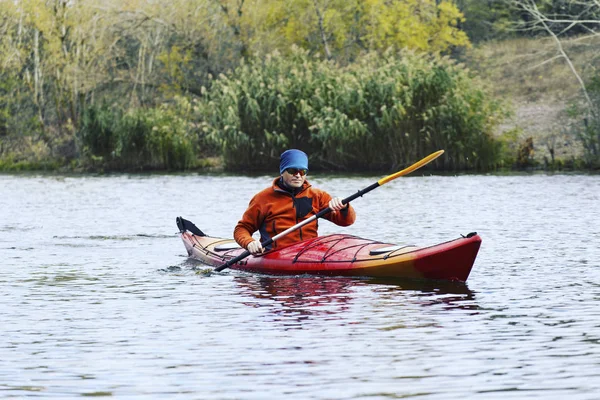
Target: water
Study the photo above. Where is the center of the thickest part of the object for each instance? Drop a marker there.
(99, 299)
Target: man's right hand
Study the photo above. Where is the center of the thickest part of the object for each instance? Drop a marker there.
(255, 247)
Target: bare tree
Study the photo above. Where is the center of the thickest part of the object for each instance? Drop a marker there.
(556, 26)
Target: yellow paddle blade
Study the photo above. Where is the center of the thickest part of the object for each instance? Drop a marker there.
(412, 168)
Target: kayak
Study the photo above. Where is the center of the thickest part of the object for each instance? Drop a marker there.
(340, 255)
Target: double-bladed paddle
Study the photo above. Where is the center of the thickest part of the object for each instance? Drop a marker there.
(327, 210)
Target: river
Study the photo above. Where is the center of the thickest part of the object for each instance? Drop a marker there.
(99, 298)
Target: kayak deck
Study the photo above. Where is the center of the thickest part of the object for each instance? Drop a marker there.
(343, 255)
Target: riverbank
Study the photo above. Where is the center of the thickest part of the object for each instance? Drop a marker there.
(539, 88)
(535, 86)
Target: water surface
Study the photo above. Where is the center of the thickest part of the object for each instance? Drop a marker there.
(99, 298)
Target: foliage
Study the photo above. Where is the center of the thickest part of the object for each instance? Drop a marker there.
(97, 134)
(343, 29)
(564, 17)
(375, 114)
(525, 154)
(62, 62)
(501, 19)
(59, 58)
(142, 139)
(509, 142)
(487, 20)
(587, 124)
(155, 138)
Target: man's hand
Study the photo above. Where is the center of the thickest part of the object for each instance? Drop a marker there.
(255, 247)
(336, 204)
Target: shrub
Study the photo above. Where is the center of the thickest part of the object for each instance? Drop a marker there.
(379, 113)
(154, 138)
(96, 136)
(587, 125)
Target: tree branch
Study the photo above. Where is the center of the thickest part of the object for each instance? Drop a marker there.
(322, 30)
(531, 8)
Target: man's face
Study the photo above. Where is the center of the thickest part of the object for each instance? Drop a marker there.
(294, 177)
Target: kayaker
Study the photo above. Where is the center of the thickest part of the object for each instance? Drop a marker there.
(288, 201)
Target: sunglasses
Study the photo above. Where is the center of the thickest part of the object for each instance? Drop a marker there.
(294, 171)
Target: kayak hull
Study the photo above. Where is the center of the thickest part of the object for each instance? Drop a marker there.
(345, 255)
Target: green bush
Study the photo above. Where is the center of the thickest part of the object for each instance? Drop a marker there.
(97, 133)
(380, 113)
(587, 125)
(154, 139)
(11, 164)
(142, 139)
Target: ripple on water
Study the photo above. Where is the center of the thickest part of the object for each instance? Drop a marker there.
(99, 298)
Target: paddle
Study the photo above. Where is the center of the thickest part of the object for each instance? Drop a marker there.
(327, 210)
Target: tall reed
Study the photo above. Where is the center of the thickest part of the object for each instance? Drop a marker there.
(141, 139)
(377, 114)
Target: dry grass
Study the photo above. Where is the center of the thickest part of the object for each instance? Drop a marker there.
(538, 84)
(532, 70)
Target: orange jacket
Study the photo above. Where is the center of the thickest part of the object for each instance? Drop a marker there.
(273, 210)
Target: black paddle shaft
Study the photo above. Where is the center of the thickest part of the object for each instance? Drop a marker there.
(318, 215)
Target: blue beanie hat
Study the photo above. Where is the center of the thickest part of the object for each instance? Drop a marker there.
(293, 159)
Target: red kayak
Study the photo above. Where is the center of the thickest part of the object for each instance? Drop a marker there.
(341, 255)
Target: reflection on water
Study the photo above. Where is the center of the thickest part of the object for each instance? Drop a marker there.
(300, 297)
(297, 297)
(450, 295)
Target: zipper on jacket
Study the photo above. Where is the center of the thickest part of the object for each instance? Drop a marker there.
(296, 209)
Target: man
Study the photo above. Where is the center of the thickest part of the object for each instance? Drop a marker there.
(289, 200)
